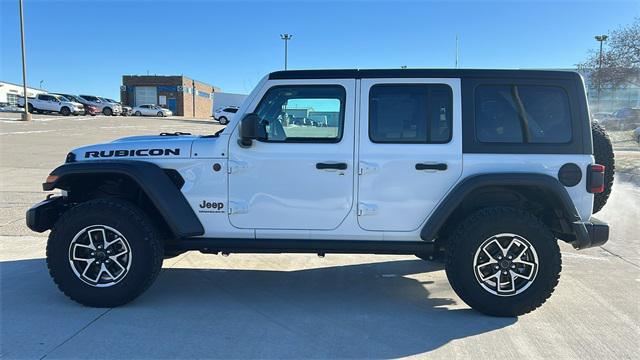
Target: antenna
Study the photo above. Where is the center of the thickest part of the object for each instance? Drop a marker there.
(457, 51)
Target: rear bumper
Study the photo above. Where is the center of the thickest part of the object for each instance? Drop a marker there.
(590, 233)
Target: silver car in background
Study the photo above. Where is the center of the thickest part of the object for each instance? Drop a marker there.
(126, 110)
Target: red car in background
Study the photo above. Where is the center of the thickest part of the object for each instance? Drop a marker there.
(88, 109)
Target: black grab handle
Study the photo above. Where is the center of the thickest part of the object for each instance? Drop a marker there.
(439, 167)
(336, 166)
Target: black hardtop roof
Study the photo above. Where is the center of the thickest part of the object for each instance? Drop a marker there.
(422, 73)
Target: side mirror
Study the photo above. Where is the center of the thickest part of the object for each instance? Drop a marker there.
(251, 127)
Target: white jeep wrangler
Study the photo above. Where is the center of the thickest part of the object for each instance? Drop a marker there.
(484, 169)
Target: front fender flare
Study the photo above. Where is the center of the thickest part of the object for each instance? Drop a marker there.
(154, 182)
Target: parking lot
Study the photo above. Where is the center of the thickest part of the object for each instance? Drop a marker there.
(295, 306)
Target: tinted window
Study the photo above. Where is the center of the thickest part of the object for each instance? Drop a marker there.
(410, 113)
(313, 113)
(522, 114)
(231, 110)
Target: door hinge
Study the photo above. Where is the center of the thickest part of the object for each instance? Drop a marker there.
(365, 167)
(367, 209)
(236, 166)
(238, 207)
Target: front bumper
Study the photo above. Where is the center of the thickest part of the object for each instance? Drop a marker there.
(41, 216)
(591, 233)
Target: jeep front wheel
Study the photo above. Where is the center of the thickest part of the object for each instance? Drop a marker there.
(104, 253)
(503, 268)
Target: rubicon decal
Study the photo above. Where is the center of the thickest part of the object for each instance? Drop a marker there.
(211, 207)
(132, 152)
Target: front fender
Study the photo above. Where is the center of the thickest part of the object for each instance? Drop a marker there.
(154, 182)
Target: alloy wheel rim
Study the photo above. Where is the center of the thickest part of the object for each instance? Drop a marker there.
(100, 256)
(505, 264)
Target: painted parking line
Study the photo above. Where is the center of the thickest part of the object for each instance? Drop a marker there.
(26, 132)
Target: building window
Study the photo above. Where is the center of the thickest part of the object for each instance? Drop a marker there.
(12, 99)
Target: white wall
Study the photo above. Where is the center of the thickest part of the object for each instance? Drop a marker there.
(221, 99)
(8, 88)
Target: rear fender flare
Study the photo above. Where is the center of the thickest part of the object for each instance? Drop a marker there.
(472, 183)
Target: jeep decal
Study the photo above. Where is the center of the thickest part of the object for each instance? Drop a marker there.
(211, 207)
(132, 152)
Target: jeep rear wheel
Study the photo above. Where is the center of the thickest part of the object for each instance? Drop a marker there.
(104, 253)
(505, 268)
(603, 154)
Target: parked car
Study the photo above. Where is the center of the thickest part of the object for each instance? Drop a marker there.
(106, 108)
(602, 117)
(627, 118)
(126, 110)
(88, 108)
(636, 134)
(50, 103)
(488, 194)
(151, 110)
(224, 114)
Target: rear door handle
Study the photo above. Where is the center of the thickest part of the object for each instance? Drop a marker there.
(439, 167)
(331, 166)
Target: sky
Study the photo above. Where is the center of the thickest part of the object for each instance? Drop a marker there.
(86, 46)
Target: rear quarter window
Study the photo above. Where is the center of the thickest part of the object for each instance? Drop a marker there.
(522, 114)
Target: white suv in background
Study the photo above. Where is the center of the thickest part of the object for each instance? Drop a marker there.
(224, 114)
(106, 108)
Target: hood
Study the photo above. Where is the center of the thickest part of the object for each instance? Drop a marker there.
(174, 146)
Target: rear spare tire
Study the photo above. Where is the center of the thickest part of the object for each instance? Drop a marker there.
(603, 153)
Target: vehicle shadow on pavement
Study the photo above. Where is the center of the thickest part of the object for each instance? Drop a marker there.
(372, 310)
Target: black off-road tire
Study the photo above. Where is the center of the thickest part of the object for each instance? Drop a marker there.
(65, 111)
(146, 249)
(603, 154)
(480, 226)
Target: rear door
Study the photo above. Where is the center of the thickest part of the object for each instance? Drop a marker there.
(410, 150)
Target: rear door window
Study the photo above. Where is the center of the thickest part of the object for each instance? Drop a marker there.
(522, 114)
(410, 113)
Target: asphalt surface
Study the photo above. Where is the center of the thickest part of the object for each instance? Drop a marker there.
(293, 306)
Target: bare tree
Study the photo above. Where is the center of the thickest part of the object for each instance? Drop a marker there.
(620, 59)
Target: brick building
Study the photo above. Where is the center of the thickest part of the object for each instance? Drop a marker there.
(176, 93)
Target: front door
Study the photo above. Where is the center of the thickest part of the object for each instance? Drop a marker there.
(302, 176)
(410, 150)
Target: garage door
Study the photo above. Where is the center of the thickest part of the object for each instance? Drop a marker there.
(146, 95)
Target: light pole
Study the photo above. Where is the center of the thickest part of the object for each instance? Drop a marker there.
(286, 38)
(25, 116)
(601, 39)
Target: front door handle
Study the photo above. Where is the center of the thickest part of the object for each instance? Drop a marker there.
(439, 167)
(331, 166)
